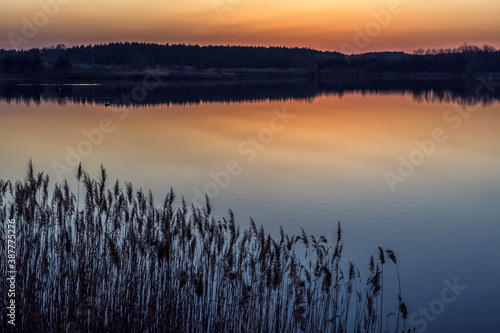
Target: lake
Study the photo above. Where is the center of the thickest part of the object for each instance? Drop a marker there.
(415, 171)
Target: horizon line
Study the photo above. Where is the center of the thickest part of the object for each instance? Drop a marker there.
(53, 46)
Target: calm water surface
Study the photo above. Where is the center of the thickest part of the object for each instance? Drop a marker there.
(326, 161)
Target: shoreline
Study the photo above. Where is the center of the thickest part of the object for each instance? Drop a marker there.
(101, 73)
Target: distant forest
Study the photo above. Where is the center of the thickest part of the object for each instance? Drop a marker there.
(60, 60)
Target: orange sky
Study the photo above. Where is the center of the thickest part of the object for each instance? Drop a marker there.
(326, 25)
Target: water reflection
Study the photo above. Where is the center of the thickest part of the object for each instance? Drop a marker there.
(166, 93)
(327, 165)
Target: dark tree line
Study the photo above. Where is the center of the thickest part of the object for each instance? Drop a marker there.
(21, 62)
(467, 59)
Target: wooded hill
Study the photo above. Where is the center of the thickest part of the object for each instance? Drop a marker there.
(464, 60)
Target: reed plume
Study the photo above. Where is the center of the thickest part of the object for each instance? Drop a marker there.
(118, 262)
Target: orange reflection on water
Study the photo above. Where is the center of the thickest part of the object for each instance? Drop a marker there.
(330, 140)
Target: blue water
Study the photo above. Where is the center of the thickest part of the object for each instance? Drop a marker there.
(326, 165)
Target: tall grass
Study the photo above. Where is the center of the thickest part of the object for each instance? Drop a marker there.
(122, 264)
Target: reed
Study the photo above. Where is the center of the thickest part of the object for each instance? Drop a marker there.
(116, 262)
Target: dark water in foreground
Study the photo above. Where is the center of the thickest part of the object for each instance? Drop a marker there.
(414, 170)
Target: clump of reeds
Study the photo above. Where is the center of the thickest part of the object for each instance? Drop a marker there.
(116, 262)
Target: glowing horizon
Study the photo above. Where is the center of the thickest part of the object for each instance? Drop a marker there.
(396, 25)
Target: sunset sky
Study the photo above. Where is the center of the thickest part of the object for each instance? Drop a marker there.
(322, 24)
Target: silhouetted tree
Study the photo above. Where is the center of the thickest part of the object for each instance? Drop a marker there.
(63, 65)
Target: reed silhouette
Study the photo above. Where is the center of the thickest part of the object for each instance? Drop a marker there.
(115, 262)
